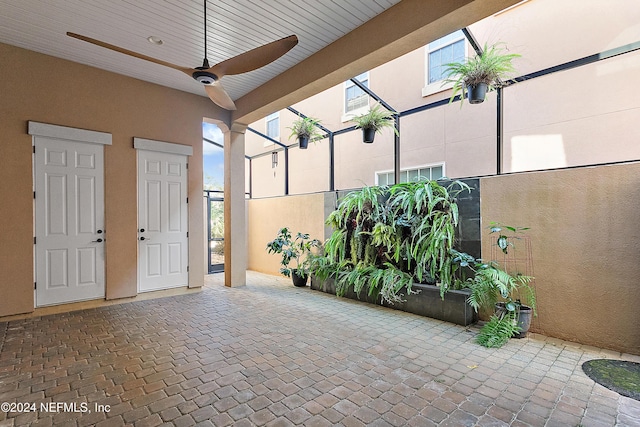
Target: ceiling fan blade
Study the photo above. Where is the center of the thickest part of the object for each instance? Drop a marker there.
(185, 70)
(219, 96)
(254, 58)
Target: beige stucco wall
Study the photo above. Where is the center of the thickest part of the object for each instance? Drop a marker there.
(575, 117)
(301, 213)
(585, 240)
(45, 89)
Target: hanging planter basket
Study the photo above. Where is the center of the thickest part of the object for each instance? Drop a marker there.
(476, 93)
(368, 134)
(303, 141)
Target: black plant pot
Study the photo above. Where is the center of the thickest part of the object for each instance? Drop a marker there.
(367, 135)
(524, 315)
(304, 142)
(299, 281)
(477, 93)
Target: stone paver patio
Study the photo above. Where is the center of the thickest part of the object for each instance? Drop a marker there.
(271, 354)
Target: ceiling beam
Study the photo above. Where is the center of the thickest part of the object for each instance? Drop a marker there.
(400, 29)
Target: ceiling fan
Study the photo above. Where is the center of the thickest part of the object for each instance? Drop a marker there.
(210, 76)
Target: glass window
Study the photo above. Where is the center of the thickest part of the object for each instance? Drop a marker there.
(448, 49)
(273, 125)
(356, 98)
(413, 174)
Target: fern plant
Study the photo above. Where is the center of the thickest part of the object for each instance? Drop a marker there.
(498, 330)
(491, 66)
(387, 238)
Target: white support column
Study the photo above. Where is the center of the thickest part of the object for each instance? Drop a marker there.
(235, 232)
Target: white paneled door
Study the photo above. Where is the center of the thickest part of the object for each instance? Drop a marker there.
(162, 221)
(69, 226)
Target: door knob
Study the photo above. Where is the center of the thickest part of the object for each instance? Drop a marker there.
(99, 231)
(97, 241)
(142, 230)
(143, 238)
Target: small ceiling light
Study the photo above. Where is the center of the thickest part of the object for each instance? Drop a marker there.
(155, 40)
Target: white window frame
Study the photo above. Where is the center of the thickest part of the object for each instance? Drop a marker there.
(412, 168)
(348, 115)
(435, 87)
(270, 117)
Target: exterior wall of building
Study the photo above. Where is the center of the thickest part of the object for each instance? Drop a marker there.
(574, 117)
(68, 94)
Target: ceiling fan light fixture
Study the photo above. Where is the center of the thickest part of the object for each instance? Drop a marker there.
(205, 77)
(155, 40)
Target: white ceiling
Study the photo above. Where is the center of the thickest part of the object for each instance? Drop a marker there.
(233, 26)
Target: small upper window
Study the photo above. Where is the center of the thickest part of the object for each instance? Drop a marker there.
(356, 98)
(451, 48)
(273, 125)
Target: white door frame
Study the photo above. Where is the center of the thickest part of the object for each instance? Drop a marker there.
(166, 279)
(45, 136)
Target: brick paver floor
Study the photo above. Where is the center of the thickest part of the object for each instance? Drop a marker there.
(271, 354)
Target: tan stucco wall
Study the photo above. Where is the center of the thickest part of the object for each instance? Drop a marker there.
(45, 89)
(558, 120)
(302, 213)
(585, 240)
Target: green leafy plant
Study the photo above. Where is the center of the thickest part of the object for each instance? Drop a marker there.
(377, 118)
(305, 127)
(503, 241)
(293, 250)
(490, 67)
(490, 285)
(497, 331)
(387, 238)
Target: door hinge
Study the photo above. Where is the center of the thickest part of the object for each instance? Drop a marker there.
(34, 240)
(187, 234)
(186, 165)
(187, 268)
(35, 285)
(187, 200)
(34, 149)
(34, 194)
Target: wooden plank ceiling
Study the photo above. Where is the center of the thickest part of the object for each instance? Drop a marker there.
(234, 26)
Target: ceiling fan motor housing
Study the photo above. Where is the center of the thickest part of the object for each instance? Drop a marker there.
(205, 77)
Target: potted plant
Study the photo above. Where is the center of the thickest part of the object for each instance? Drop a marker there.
(374, 121)
(479, 74)
(305, 129)
(493, 288)
(293, 250)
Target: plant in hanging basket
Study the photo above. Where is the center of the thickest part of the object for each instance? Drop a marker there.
(479, 74)
(374, 121)
(305, 129)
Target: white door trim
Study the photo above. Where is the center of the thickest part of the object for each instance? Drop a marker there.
(70, 134)
(163, 147)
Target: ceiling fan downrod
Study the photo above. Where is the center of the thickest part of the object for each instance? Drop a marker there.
(202, 75)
